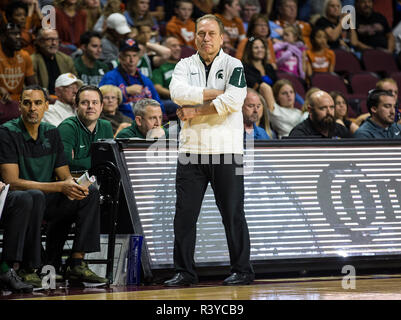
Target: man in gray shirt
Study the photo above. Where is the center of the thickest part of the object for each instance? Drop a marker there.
(380, 124)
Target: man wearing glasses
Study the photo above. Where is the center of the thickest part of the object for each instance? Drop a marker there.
(15, 64)
(48, 61)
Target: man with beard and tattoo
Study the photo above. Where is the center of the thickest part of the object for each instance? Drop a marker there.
(380, 125)
(321, 122)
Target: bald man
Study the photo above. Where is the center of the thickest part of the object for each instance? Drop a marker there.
(321, 122)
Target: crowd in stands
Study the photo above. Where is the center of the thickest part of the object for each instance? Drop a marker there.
(122, 53)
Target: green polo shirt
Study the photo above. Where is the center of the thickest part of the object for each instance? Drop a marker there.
(163, 74)
(133, 132)
(77, 140)
(90, 75)
(36, 159)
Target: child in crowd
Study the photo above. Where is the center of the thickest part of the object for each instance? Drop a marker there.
(181, 25)
(17, 13)
(291, 52)
(320, 57)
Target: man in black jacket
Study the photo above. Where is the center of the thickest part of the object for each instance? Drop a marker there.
(321, 122)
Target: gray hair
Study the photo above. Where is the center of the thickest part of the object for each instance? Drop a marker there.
(140, 106)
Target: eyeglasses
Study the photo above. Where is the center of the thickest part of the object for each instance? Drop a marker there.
(51, 39)
(261, 25)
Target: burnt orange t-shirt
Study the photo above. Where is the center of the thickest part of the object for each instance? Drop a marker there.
(235, 29)
(321, 62)
(13, 72)
(183, 31)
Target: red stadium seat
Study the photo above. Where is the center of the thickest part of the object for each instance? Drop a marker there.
(346, 63)
(362, 82)
(379, 61)
(329, 81)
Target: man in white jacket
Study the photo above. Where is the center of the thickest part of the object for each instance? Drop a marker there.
(210, 87)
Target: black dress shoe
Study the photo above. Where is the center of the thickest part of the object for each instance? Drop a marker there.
(237, 279)
(180, 279)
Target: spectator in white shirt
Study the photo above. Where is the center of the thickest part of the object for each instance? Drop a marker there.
(66, 86)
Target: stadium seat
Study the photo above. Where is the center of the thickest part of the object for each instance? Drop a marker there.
(362, 82)
(379, 61)
(346, 63)
(329, 81)
(187, 51)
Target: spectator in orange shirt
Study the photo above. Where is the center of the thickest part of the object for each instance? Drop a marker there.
(320, 57)
(287, 15)
(181, 25)
(17, 13)
(228, 12)
(15, 64)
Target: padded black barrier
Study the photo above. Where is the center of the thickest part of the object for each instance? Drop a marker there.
(310, 204)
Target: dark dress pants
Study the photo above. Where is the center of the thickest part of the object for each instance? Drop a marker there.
(22, 220)
(61, 213)
(191, 183)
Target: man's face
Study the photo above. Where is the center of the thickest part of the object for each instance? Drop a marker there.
(93, 49)
(49, 42)
(289, 10)
(13, 38)
(67, 94)
(384, 113)
(33, 106)
(333, 8)
(364, 7)
(248, 11)
(184, 11)
(322, 111)
(208, 39)
(251, 108)
(234, 9)
(174, 45)
(89, 107)
(129, 60)
(151, 120)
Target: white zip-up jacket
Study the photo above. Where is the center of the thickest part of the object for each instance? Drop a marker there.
(217, 133)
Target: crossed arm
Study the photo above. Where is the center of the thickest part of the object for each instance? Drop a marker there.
(189, 112)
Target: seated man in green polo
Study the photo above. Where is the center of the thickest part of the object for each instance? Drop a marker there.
(148, 120)
(31, 157)
(78, 133)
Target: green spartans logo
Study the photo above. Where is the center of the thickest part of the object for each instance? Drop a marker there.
(238, 78)
(219, 74)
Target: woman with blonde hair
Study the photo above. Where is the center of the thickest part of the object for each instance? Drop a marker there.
(112, 98)
(263, 118)
(281, 104)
